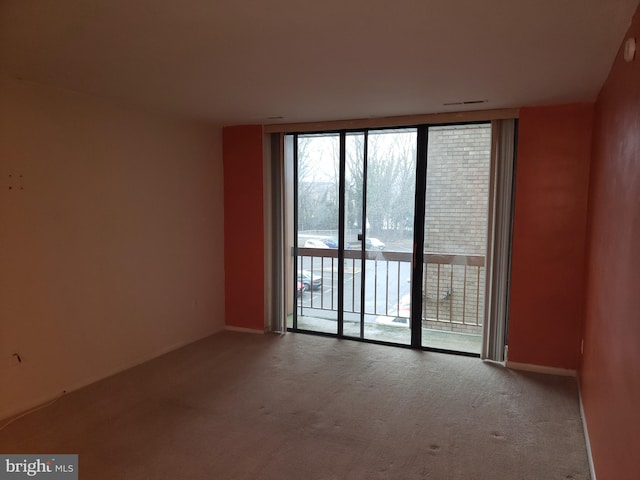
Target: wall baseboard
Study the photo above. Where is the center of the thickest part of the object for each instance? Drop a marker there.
(11, 414)
(592, 469)
(527, 367)
(231, 328)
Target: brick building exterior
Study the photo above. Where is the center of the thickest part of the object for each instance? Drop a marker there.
(456, 223)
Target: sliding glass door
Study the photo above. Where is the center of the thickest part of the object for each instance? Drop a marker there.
(390, 234)
(317, 211)
(387, 234)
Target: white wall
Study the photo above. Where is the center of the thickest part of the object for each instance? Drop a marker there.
(111, 243)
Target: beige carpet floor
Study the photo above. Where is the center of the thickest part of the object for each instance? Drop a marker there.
(243, 406)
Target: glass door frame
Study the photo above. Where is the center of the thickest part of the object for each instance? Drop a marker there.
(417, 267)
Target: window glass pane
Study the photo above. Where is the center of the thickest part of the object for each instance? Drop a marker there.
(354, 170)
(457, 194)
(317, 230)
(391, 178)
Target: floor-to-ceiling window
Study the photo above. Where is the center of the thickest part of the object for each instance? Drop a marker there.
(390, 230)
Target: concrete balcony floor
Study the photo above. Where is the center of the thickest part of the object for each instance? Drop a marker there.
(439, 339)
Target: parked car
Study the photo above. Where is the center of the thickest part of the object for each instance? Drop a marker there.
(331, 242)
(370, 244)
(315, 244)
(309, 283)
(374, 244)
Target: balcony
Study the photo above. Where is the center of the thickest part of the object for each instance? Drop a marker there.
(452, 297)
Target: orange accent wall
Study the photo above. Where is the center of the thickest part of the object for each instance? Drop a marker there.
(243, 227)
(610, 376)
(547, 273)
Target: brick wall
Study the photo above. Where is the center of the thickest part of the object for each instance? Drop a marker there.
(456, 222)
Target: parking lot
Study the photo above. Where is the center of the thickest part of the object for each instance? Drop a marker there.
(385, 283)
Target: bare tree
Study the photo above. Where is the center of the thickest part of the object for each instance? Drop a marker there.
(390, 162)
(317, 186)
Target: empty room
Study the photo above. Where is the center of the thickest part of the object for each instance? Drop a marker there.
(323, 240)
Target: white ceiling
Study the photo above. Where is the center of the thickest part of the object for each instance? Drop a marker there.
(243, 61)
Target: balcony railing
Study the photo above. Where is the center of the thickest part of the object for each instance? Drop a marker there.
(453, 286)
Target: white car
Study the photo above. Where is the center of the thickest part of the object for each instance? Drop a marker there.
(315, 244)
(374, 244)
(370, 244)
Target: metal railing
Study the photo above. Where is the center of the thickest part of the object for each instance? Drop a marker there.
(453, 284)
(453, 289)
